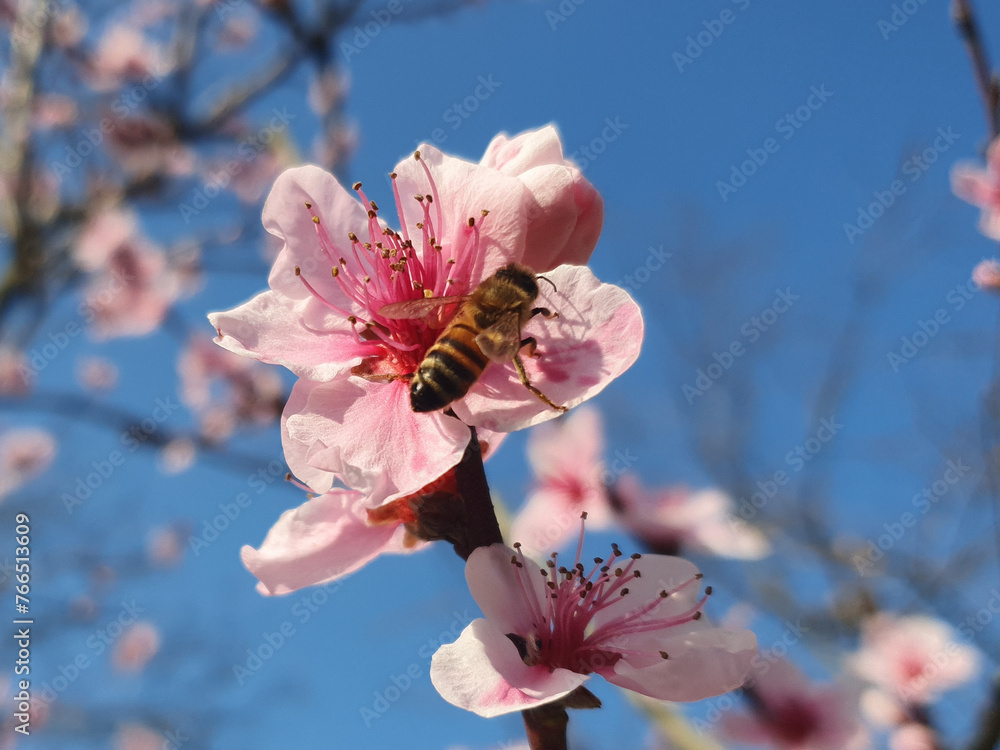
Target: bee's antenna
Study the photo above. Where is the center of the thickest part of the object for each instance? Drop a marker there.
(550, 281)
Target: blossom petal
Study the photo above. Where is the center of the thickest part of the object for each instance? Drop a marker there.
(702, 662)
(566, 212)
(323, 539)
(493, 582)
(270, 328)
(482, 672)
(464, 191)
(973, 185)
(285, 216)
(595, 338)
(365, 433)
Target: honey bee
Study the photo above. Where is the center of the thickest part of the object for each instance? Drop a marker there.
(486, 328)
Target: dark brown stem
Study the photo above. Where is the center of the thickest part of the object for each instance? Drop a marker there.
(481, 526)
(546, 727)
(989, 92)
(988, 735)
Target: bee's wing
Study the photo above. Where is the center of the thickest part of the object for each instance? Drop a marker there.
(416, 309)
(501, 340)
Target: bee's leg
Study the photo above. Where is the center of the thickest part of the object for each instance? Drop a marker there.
(544, 312)
(532, 345)
(386, 377)
(519, 366)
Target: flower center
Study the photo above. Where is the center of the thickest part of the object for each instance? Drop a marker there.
(391, 266)
(563, 634)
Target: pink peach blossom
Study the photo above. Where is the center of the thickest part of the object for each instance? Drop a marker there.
(97, 374)
(547, 630)
(145, 145)
(131, 286)
(136, 646)
(913, 659)
(25, 453)
(178, 456)
(986, 275)
(675, 519)
(125, 54)
(981, 188)
(349, 416)
(565, 456)
(913, 737)
(138, 737)
(16, 377)
(324, 539)
(792, 713)
(165, 545)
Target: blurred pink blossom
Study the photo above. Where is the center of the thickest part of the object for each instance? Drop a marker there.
(16, 377)
(131, 286)
(53, 111)
(136, 646)
(165, 546)
(913, 737)
(25, 453)
(675, 519)
(97, 374)
(986, 275)
(566, 458)
(547, 630)
(145, 145)
(790, 712)
(980, 187)
(138, 737)
(913, 659)
(124, 54)
(178, 456)
(326, 90)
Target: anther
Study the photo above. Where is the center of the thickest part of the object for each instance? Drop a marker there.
(708, 591)
(516, 545)
(352, 237)
(584, 517)
(664, 655)
(598, 560)
(623, 592)
(485, 213)
(699, 576)
(664, 594)
(374, 205)
(298, 271)
(392, 175)
(308, 204)
(371, 214)
(335, 272)
(416, 155)
(315, 220)
(697, 616)
(635, 555)
(218, 331)
(637, 573)
(357, 186)
(472, 222)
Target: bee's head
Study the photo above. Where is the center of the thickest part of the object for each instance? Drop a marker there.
(521, 277)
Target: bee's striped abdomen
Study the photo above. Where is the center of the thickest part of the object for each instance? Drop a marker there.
(449, 368)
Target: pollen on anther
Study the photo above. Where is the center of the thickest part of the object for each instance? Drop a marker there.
(637, 573)
(472, 222)
(699, 576)
(516, 545)
(664, 594)
(696, 616)
(598, 560)
(288, 474)
(374, 205)
(583, 516)
(416, 155)
(623, 592)
(708, 591)
(356, 186)
(308, 204)
(298, 271)
(335, 272)
(392, 175)
(352, 236)
(485, 213)
(315, 220)
(635, 555)
(664, 654)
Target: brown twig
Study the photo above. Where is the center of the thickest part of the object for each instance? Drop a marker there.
(986, 82)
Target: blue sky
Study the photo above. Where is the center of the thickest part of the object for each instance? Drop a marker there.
(839, 106)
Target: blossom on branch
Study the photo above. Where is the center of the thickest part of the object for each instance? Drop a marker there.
(635, 621)
(350, 416)
(981, 187)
